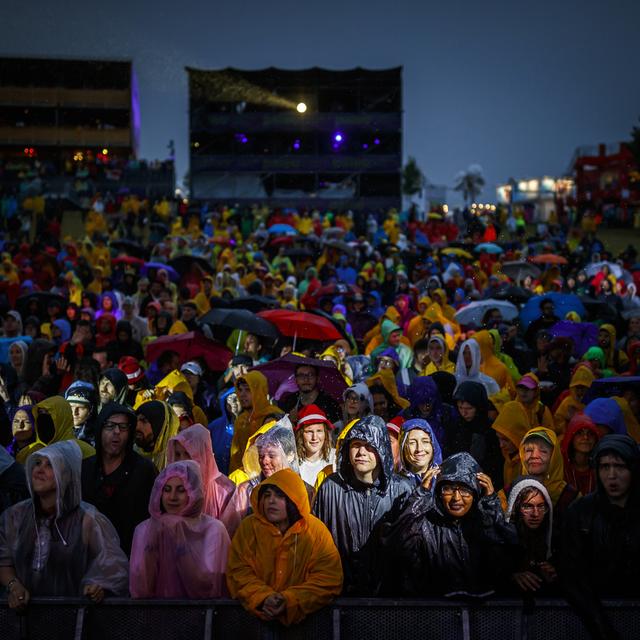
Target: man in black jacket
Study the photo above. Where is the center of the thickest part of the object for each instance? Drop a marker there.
(117, 480)
(601, 555)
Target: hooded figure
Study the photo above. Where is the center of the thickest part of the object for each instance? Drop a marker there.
(405, 354)
(436, 550)
(426, 403)
(607, 412)
(300, 564)
(83, 398)
(13, 486)
(511, 425)
(250, 420)
(164, 424)
(416, 453)
(221, 429)
(353, 510)
(581, 381)
(113, 386)
(615, 358)
(472, 372)
(53, 423)
(180, 553)
(600, 552)
(581, 428)
(62, 553)
(216, 487)
(445, 364)
(120, 348)
(365, 404)
(492, 366)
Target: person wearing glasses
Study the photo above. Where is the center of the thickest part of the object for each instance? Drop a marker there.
(452, 541)
(117, 480)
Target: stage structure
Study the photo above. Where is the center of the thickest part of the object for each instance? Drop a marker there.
(307, 138)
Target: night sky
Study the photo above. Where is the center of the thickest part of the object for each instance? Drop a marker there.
(512, 86)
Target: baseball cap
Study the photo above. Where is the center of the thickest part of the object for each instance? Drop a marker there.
(528, 382)
(191, 367)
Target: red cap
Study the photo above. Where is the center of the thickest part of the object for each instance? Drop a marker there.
(131, 368)
(312, 414)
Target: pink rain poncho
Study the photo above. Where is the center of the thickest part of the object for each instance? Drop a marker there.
(179, 556)
(216, 487)
(59, 555)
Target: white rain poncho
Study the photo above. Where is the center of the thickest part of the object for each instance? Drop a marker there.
(61, 554)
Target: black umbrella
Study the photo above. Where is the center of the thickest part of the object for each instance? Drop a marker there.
(240, 319)
(513, 294)
(298, 253)
(599, 310)
(183, 264)
(43, 298)
(340, 246)
(129, 247)
(251, 303)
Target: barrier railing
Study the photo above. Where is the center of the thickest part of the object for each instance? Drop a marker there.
(346, 619)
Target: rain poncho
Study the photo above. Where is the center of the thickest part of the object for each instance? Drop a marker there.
(446, 364)
(503, 357)
(13, 486)
(512, 423)
(302, 564)
(182, 555)
(584, 481)
(474, 374)
(420, 425)
(56, 427)
(490, 365)
(352, 510)
(76, 547)
(607, 411)
(583, 376)
(386, 379)
(615, 358)
(119, 380)
(165, 424)
(216, 487)
(404, 352)
(423, 390)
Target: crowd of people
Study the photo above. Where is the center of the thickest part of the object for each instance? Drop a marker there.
(284, 407)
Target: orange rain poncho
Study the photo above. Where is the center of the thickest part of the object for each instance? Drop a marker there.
(490, 365)
(512, 423)
(583, 376)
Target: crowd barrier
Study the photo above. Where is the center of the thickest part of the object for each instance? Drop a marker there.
(346, 619)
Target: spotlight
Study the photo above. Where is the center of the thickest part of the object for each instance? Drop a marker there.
(338, 137)
(301, 107)
(376, 141)
(296, 145)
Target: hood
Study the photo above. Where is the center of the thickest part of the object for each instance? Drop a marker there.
(474, 393)
(611, 350)
(595, 353)
(386, 379)
(388, 327)
(424, 390)
(512, 422)
(362, 391)
(196, 441)
(578, 422)
(582, 376)
(111, 409)
(625, 447)
(222, 403)
(485, 342)
(461, 369)
(65, 329)
(460, 468)
(119, 380)
(189, 472)
(172, 382)
(257, 382)
(421, 425)
(554, 482)
(291, 484)
(608, 412)
(66, 461)
(164, 423)
(60, 411)
(279, 435)
(373, 430)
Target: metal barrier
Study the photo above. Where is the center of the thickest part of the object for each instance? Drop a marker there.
(346, 619)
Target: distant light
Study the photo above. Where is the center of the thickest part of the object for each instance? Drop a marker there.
(376, 141)
(445, 208)
(301, 107)
(338, 137)
(296, 145)
(196, 144)
(105, 152)
(365, 146)
(241, 138)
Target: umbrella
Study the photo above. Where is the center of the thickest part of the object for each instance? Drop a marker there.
(284, 229)
(474, 311)
(278, 371)
(189, 346)
(174, 276)
(434, 216)
(583, 334)
(281, 241)
(128, 260)
(301, 324)
(454, 251)
(337, 289)
(43, 298)
(129, 247)
(298, 253)
(334, 232)
(548, 258)
(240, 319)
(488, 247)
(595, 267)
(340, 246)
(607, 387)
(520, 269)
(335, 322)
(251, 303)
(517, 295)
(563, 302)
(183, 264)
(599, 309)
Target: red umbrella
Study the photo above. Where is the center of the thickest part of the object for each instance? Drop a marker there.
(189, 346)
(548, 258)
(337, 289)
(128, 260)
(301, 324)
(282, 240)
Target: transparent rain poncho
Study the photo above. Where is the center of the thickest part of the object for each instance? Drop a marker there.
(59, 555)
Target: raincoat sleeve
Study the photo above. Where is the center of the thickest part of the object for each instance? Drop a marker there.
(108, 566)
(323, 577)
(144, 563)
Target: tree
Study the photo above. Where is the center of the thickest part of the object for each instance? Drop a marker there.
(413, 179)
(634, 145)
(470, 183)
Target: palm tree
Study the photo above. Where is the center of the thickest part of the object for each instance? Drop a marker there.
(470, 183)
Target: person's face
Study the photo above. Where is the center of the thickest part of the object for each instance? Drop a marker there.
(584, 441)
(421, 358)
(80, 412)
(233, 405)
(144, 432)
(466, 410)
(496, 318)
(634, 326)
(107, 303)
(273, 506)
(179, 452)
(10, 325)
(21, 426)
(418, 450)
(547, 310)
(123, 336)
(525, 395)
(271, 459)
(362, 457)
(43, 480)
(385, 363)
(238, 370)
(16, 357)
(506, 446)
(537, 456)
(306, 379)
(604, 339)
(533, 511)
(115, 435)
(457, 499)
(615, 476)
(313, 436)
(541, 343)
(174, 496)
(188, 313)
(107, 390)
(580, 391)
(394, 338)
(380, 404)
(468, 357)
(435, 352)
(251, 345)
(244, 396)
(352, 404)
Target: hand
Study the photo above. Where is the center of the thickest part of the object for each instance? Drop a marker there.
(4, 394)
(62, 365)
(18, 596)
(549, 572)
(527, 581)
(485, 484)
(274, 605)
(94, 592)
(149, 394)
(430, 476)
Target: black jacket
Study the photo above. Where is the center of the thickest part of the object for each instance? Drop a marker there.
(13, 483)
(353, 511)
(123, 495)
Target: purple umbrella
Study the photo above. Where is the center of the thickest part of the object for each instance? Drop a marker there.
(278, 371)
(583, 334)
(174, 276)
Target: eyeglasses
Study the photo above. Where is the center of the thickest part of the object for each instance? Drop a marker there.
(306, 376)
(530, 508)
(450, 489)
(112, 426)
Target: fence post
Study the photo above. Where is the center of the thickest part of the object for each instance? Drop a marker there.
(335, 618)
(79, 624)
(466, 623)
(208, 625)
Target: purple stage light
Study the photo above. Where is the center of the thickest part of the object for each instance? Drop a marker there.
(365, 146)
(376, 141)
(241, 138)
(338, 137)
(297, 145)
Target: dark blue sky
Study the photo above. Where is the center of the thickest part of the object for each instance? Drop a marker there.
(512, 86)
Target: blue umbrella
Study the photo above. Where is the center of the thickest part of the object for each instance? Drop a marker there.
(563, 302)
(283, 229)
(488, 247)
(174, 276)
(583, 334)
